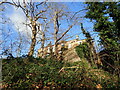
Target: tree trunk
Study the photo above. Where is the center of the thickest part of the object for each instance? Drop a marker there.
(33, 43)
(42, 43)
(56, 28)
(94, 56)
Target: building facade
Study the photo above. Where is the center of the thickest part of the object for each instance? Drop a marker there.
(66, 44)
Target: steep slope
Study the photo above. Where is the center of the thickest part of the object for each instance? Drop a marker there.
(71, 55)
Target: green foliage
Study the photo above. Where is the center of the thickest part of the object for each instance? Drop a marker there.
(17, 73)
(83, 51)
(106, 17)
(41, 73)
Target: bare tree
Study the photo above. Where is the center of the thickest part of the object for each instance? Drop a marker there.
(43, 30)
(59, 17)
(33, 14)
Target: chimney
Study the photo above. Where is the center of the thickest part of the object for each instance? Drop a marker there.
(77, 37)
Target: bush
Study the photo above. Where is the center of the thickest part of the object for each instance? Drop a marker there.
(41, 73)
(18, 73)
(83, 51)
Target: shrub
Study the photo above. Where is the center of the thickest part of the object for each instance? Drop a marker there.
(83, 51)
(40, 73)
(17, 73)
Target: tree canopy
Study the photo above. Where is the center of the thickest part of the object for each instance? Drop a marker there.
(106, 18)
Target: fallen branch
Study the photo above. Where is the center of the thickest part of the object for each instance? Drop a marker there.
(63, 68)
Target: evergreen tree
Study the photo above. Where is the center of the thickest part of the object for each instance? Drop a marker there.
(106, 16)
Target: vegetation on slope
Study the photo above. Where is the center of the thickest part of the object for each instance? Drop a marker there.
(41, 73)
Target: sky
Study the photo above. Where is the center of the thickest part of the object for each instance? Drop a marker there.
(67, 0)
(16, 27)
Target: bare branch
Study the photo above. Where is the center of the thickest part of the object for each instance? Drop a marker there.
(77, 13)
(65, 32)
(41, 3)
(8, 3)
(36, 18)
(41, 12)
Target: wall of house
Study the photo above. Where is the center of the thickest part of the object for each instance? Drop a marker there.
(67, 44)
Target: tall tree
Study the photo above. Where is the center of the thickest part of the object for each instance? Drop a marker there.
(61, 17)
(106, 16)
(93, 55)
(33, 13)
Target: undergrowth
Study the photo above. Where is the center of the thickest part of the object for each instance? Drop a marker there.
(42, 73)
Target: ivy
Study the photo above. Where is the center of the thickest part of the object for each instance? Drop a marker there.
(83, 51)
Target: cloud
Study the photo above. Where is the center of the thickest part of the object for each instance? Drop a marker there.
(27, 0)
(19, 20)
